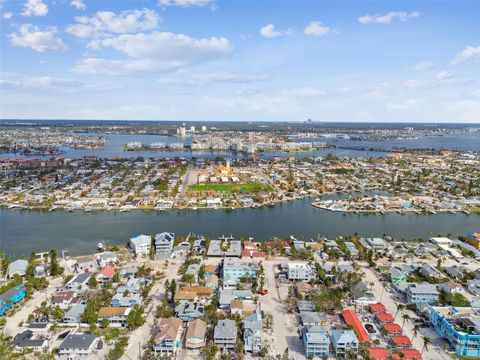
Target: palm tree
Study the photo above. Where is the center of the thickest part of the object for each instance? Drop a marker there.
(400, 307)
(405, 317)
(415, 330)
(426, 342)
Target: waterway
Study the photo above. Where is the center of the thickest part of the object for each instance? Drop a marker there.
(115, 144)
(24, 231)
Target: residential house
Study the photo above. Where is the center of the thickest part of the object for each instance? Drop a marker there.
(140, 244)
(106, 258)
(212, 281)
(77, 346)
(168, 339)
(227, 295)
(129, 272)
(40, 271)
(225, 334)
(11, 297)
(116, 316)
(64, 299)
(164, 243)
(193, 270)
(199, 246)
(422, 294)
(305, 305)
(73, 315)
(451, 288)
(237, 269)
(362, 295)
(86, 263)
(125, 300)
(105, 276)
(316, 341)
(303, 289)
(300, 272)
(28, 341)
(473, 286)
(344, 342)
(428, 271)
(242, 307)
(397, 276)
(195, 337)
(210, 269)
(17, 267)
(453, 272)
(312, 318)
(189, 311)
(252, 333)
(79, 283)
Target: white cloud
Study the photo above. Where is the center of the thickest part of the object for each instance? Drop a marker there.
(423, 66)
(470, 53)
(104, 23)
(316, 29)
(154, 52)
(212, 78)
(78, 4)
(7, 15)
(35, 8)
(413, 83)
(444, 75)
(184, 3)
(269, 31)
(30, 36)
(387, 18)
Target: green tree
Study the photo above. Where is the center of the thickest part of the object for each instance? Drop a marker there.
(173, 288)
(93, 282)
(135, 317)
(426, 342)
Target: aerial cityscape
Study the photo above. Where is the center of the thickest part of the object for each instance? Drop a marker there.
(229, 180)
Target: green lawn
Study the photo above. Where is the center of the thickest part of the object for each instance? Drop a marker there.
(243, 187)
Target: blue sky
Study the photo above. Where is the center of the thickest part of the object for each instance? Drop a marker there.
(240, 60)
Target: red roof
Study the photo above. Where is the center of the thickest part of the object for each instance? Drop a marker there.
(378, 353)
(393, 328)
(108, 271)
(352, 319)
(411, 354)
(401, 340)
(384, 318)
(249, 245)
(377, 308)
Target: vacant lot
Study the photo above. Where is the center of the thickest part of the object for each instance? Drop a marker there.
(244, 187)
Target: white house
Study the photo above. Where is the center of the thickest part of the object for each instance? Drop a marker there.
(141, 244)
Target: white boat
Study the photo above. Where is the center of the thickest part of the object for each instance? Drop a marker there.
(100, 247)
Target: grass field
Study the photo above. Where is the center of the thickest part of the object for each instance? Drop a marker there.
(243, 187)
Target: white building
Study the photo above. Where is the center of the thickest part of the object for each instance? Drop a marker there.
(164, 243)
(141, 244)
(301, 272)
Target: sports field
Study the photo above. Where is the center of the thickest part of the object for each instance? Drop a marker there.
(243, 187)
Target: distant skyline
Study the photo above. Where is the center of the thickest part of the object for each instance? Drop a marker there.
(200, 60)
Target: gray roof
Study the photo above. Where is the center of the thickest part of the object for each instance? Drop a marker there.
(305, 305)
(309, 317)
(225, 329)
(18, 266)
(10, 293)
(347, 336)
(423, 289)
(215, 248)
(77, 341)
(253, 322)
(75, 311)
(24, 339)
(80, 278)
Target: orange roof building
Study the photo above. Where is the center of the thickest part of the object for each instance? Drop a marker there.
(385, 318)
(378, 308)
(393, 329)
(378, 353)
(352, 319)
(401, 341)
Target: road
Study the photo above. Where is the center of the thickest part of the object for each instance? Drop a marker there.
(186, 181)
(432, 352)
(140, 336)
(13, 323)
(285, 325)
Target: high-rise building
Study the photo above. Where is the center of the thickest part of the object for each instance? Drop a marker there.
(251, 136)
(204, 128)
(192, 128)
(181, 131)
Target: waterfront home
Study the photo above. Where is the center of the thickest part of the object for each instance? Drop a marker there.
(125, 300)
(79, 283)
(180, 251)
(140, 244)
(252, 333)
(28, 341)
(85, 263)
(17, 267)
(225, 334)
(64, 299)
(422, 294)
(217, 248)
(199, 246)
(11, 297)
(195, 337)
(74, 314)
(168, 339)
(77, 346)
(316, 341)
(428, 271)
(105, 276)
(352, 249)
(164, 243)
(238, 269)
(106, 258)
(376, 244)
(459, 326)
(344, 342)
(116, 316)
(474, 239)
(40, 271)
(300, 272)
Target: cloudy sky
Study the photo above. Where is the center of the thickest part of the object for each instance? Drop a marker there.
(239, 60)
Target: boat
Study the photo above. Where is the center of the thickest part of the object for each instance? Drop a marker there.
(100, 247)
